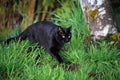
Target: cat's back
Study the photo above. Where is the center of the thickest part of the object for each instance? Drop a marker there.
(43, 25)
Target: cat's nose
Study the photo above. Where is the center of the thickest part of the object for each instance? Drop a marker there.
(67, 40)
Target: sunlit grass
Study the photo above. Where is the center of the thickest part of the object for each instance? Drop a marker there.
(100, 62)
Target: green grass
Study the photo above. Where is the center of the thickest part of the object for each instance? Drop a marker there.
(99, 61)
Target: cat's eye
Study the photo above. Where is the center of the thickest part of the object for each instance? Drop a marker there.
(68, 36)
(63, 36)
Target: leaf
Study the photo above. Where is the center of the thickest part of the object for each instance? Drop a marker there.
(115, 37)
(92, 14)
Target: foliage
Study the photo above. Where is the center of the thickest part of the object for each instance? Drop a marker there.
(100, 61)
(30, 12)
(70, 15)
(118, 21)
(115, 37)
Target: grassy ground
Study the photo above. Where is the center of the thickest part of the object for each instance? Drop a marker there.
(99, 61)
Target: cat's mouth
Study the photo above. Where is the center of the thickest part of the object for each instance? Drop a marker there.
(65, 41)
(62, 42)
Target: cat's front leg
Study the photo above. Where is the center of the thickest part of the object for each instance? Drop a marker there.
(54, 52)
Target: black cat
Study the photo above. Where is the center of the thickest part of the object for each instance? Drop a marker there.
(47, 34)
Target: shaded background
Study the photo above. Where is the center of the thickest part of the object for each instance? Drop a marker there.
(22, 13)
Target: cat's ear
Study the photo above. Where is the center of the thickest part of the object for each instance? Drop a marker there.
(69, 28)
(59, 29)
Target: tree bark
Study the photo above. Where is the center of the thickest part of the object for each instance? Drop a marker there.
(98, 14)
(9, 18)
(31, 10)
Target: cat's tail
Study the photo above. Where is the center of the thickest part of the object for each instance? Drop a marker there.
(20, 37)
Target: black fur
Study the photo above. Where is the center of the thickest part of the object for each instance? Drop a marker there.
(47, 34)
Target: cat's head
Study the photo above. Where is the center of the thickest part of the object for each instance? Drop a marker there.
(63, 34)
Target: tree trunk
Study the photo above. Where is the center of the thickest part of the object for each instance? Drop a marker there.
(98, 14)
(31, 10)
